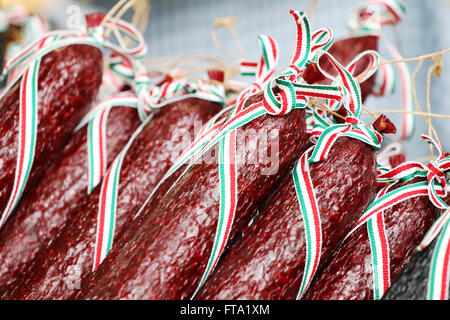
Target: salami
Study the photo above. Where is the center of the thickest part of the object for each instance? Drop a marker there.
(171, 248)
(58, 197)
(68, 81)
(56, 271)
(167, 255)
(385, 237)
(351, 265)
(268, 262)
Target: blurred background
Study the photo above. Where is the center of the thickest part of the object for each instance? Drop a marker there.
(179, 27)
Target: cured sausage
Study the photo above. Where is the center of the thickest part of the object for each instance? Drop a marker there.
(68, 81)
(167, 246)
(56, 271)
(58, 196)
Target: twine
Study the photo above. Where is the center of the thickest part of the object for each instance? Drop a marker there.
(228, 23)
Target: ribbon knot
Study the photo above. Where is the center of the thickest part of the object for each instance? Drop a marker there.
(434, 171)
(293, 93)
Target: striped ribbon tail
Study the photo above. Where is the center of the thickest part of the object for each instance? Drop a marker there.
(106, 218)
(408, 119)
(107, 212)
(97, 150)
(302, 48)
(269, 59)
(438, 281)
(386, 84)
(28, 115)
(379, 246)
(228, 201)
(311, 218)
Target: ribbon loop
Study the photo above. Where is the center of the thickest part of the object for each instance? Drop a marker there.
(372, 15)
(373, 59)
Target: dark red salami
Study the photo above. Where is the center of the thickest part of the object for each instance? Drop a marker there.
(68, 81)
(56, 271)
(268, 263)
(58, 196)
(348, 275)
(168, 246)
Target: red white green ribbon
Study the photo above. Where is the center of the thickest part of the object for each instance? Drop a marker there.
(379, 246)
(439, 275)
(408, 119)
(311, 219)
(106, 219)
(96, 120)
(386, 82)
(293, 94)
(435, 188)
(262, 70)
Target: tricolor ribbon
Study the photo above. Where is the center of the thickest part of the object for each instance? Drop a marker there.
(439, 274)
(435, 188)
(25, 66)
(96, 120)
(13, 14)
